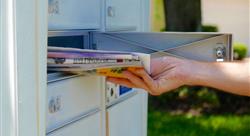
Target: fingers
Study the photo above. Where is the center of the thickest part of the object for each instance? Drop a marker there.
(146, 78)
(120, 81)
(154, 86)
(137, 81)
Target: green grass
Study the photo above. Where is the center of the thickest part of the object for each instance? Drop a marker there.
(163, 124)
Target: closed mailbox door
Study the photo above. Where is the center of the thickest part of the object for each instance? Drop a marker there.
(126, 118)
(74, 14)
(71, 99)
(123, 14)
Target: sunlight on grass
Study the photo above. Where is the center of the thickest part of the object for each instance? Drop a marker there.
(163, 124)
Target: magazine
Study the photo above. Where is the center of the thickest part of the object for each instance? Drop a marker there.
(89, 62)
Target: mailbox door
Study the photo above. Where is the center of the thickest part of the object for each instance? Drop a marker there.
(119, 14)
(197, 46)
(74, 14)
(71, 98)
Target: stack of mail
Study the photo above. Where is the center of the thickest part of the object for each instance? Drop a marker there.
(107, 63)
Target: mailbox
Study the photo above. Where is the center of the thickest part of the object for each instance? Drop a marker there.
(73, 104)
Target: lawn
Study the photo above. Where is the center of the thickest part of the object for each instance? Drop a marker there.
(164, 124)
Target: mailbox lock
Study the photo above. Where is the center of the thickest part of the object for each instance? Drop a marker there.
(53, 7)
(220, 52)
(55, 104)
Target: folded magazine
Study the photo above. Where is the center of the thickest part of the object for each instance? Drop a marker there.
(85, 61)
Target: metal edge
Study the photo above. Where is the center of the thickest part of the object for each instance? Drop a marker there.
(177, 33)
(121, 99)
(75, 32)
(59, 77)
(230, 47)
(74, 120)
(121, 29)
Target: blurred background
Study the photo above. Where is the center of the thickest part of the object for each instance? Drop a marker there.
(196, 111)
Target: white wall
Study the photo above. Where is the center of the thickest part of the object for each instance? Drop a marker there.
(230, 16)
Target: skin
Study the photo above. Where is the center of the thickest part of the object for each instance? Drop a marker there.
(168, 73)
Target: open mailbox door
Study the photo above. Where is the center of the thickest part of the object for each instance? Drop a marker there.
(196, 46)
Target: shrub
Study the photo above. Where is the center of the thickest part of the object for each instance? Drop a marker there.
(209, 28)
(240, 51)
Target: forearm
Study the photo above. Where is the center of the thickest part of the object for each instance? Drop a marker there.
(231, 77)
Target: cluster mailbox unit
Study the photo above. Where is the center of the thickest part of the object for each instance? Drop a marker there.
(74, 105)
(88, 105)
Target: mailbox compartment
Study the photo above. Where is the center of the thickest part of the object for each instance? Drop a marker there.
(190, 45)
(71, 38)
(126, 118)
(123, 15)
(74, 14)
(71, 97)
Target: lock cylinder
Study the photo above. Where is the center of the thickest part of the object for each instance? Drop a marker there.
(220, 53)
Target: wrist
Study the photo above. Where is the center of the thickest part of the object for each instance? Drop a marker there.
(202, 73)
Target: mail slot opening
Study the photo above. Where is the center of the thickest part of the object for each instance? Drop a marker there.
(68, 41)
(79, 42)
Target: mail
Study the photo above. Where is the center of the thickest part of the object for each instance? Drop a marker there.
(85, 61)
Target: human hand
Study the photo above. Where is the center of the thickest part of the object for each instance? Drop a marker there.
(167, 73)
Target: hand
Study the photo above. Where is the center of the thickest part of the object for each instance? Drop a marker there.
(167, 73)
